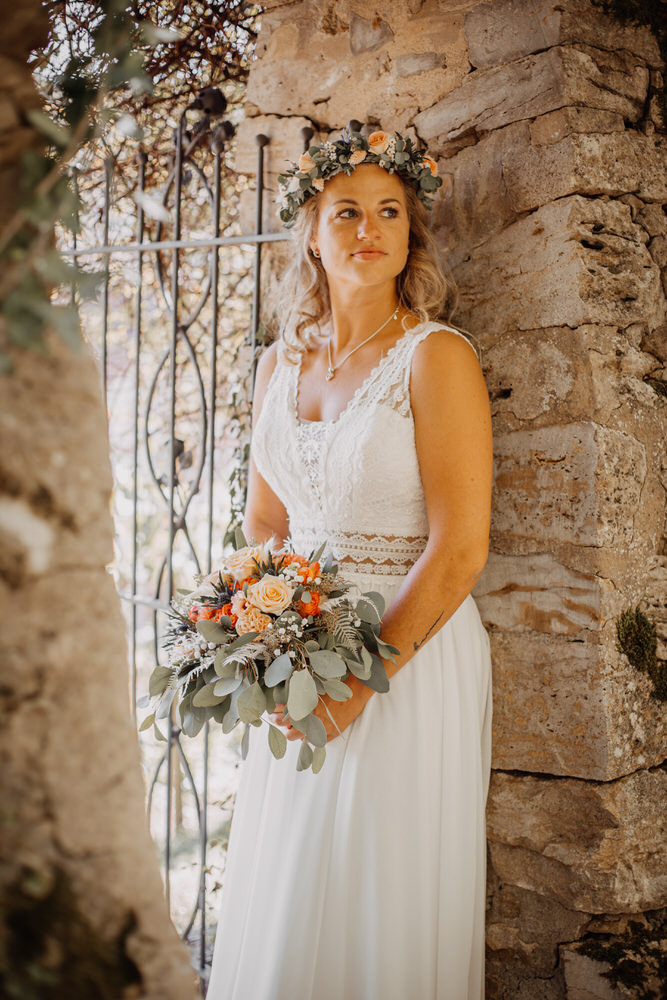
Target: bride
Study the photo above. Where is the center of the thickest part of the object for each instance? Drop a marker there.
(372, 433)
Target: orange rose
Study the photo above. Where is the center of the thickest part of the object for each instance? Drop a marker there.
(311, 608)
(252, 620)
(358, 156)
(378, 141)
(429, 162)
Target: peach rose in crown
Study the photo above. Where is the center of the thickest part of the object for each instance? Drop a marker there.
(271, 594)
(378, 142)
(240, 563)
(358, 156)
(306, 162)
(429, 162)
(318, 184)
(252, 620)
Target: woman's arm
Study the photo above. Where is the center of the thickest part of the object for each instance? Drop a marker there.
(454, 447)
(265, 515)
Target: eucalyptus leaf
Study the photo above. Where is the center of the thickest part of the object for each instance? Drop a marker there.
(376, 599)
(227, 685)
(279, 670)
(328, 664)
(148, 722)
(378, 679)
(319, 755)
(159, 735)
(251, 703)
(192, 723)
(302, 697)
(224, 667)
(313, 729)
(240, 541)
(366, 610)
(337, 690)
(206, 697)
(277, 742)
(164, 705)
(360, 670)
(318, 553)
(144, 701)
(211, 631)
(305, 757)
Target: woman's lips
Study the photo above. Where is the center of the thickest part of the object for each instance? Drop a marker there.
(369, 254)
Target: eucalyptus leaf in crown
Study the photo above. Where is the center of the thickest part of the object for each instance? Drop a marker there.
(397, 154)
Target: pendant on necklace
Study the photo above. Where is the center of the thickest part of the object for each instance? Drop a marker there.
(330, 373)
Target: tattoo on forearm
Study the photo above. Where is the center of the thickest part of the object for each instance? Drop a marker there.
(417, 645)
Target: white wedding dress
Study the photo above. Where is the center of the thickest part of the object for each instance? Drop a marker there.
(365, 881)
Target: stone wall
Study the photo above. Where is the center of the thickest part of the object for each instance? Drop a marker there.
(545, 121)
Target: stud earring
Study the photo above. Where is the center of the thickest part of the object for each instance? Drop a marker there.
(316, 254)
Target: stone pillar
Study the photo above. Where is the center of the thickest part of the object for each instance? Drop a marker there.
(545, 121)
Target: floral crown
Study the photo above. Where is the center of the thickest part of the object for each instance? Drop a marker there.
(393, 152)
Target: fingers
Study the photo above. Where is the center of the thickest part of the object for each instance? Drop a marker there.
(278, 719)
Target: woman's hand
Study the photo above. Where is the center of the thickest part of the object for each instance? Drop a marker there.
(343, 713)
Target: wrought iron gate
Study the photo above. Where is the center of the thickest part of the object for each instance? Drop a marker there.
(166, 466)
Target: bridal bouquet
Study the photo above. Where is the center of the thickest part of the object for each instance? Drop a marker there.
(268, 628)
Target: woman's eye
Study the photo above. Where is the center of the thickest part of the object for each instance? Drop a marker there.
(393, 212)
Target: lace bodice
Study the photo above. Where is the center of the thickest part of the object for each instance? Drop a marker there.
(353, 482)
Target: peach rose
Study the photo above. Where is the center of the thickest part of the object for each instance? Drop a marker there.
(306, 162)
(318, 184)
(252, 620)
(358, 156)
(431, 164)
(271, 594)
(378, 141)
(240, 563)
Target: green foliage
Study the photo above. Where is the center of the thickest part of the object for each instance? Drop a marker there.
(30, 267)
(637, 639)
(638, 957)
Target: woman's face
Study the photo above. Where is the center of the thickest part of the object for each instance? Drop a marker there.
(362, 230)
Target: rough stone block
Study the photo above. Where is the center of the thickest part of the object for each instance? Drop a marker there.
(579, 484)
(525, 928)
(549, 713)
(596, 847)
(575, 261)
(553, 384)
(492, 98)
(584, 978)
(539, 593)
(504, 30)
(305, 53)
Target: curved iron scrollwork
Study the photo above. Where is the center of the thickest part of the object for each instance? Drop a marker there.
(180, 453)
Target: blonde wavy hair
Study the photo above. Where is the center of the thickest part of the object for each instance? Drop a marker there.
(303, 301)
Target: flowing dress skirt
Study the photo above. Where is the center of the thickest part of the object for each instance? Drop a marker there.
(367, 881)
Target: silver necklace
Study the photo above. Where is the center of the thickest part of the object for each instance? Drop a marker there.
(331, 370)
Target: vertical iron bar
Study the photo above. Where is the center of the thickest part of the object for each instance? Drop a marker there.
(135, 443)
(209, 553)
(108, 171)
(171, 735)
(261, 141)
